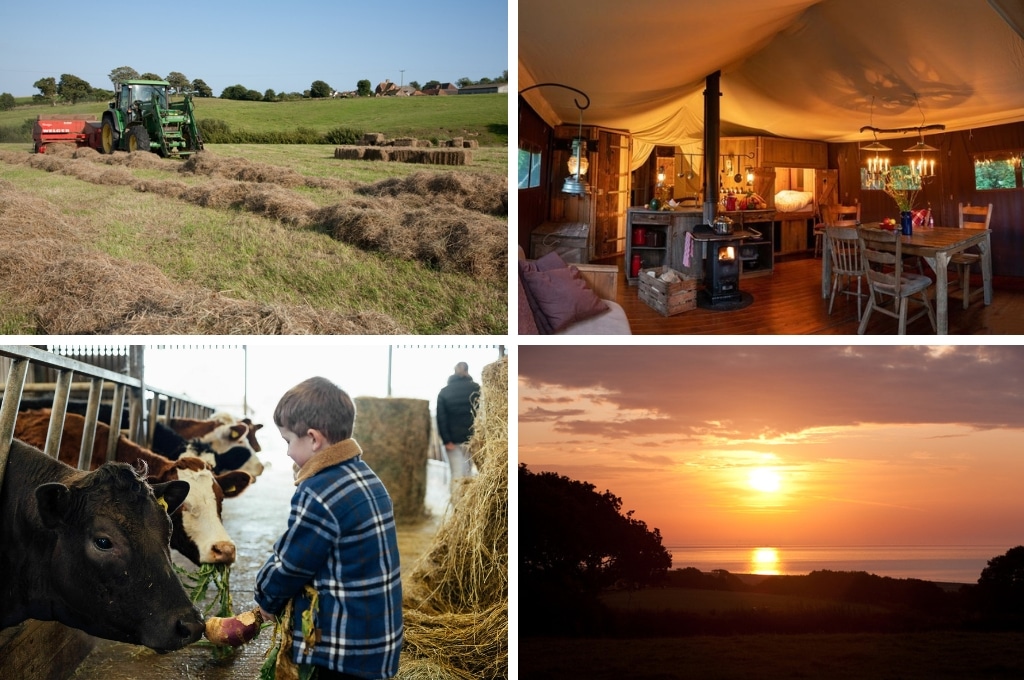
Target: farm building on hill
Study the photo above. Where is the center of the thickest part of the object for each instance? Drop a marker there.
(444, 88)
(484, 88)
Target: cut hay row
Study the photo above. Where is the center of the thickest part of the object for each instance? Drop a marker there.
(446, 237)
(248, 171)
(453, 240)
(456, 608)
(49, 271)
(482, 193)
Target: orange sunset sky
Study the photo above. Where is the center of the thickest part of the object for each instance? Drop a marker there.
(778, 445)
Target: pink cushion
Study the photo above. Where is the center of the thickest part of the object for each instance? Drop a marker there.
(563, 296)
(527, 323)
(919, 218)
(539, 320)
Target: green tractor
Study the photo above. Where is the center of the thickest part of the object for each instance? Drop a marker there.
(142, 119)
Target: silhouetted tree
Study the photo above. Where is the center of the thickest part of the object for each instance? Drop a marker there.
(364, 88)
(570, 533)
(7, 101)
(1001, 586)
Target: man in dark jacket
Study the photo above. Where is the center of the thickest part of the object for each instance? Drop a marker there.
(455, 404)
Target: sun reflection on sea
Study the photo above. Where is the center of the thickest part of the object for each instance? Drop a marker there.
(765, 561)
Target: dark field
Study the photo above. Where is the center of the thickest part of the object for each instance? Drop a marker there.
(907, 656)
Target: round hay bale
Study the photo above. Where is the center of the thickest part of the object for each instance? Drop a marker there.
(395, 436)
(456, 609)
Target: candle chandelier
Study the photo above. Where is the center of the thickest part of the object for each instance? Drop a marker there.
(877, 166)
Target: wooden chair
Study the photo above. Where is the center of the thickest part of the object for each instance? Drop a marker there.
(845, 252)
(882, 259)
(970, 217)
(835, 216)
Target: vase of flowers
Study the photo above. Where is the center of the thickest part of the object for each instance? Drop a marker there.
(906, 222)
(902, 186)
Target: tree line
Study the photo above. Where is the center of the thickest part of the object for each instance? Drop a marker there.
(71, 89)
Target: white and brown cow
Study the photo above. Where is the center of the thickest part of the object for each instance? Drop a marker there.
(198, 532)
(91, 550)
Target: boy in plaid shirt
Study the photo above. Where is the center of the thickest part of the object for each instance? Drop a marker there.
(340, 540)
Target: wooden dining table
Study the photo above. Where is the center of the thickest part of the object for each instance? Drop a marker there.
(934, 245)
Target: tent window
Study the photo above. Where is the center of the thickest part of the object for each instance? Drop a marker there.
(998, 170)
(529, 169)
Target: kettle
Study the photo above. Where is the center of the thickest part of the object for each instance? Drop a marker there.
(722, 225)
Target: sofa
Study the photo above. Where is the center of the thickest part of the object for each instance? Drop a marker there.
(560, 299)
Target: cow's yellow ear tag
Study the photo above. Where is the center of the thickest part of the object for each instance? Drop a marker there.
(162, 503)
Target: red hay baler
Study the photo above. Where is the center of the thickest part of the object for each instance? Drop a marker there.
(80, 129)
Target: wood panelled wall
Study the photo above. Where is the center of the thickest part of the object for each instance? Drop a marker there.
(534, 135)
(953, 183)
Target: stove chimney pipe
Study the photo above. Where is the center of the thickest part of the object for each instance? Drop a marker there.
(712, 130)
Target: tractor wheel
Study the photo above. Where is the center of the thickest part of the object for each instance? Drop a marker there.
(138, 139)
(109, 136)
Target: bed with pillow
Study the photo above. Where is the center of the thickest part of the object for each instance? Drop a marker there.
(795, 205)
(560, 299)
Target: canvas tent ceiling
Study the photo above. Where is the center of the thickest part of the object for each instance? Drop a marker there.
(792, 68)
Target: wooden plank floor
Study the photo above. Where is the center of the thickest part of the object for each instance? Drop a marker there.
(789, 302)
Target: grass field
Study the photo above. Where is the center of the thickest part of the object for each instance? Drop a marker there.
(908, 656)
(116, 244)
(481, 117)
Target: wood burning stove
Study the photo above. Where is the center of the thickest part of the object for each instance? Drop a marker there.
(722, 264)
(722, 271)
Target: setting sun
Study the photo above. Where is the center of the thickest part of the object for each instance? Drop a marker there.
(765, 480)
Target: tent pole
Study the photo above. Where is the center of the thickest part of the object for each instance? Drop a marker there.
(712, 129)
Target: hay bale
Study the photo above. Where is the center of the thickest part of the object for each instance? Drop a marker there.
(455, 142)
(373, 138)
(471, 144)
(456, 608)
(350, 153)
(395, 436)
(376, 154)
(404, 141)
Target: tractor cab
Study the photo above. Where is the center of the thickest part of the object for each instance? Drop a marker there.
(132, 95)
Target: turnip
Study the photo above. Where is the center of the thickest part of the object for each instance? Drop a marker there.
(234, 630)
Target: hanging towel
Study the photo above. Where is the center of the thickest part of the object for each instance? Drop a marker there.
(687, 249)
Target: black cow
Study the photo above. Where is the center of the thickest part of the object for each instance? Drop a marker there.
(92, 551)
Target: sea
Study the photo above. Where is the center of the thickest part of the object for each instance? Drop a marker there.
(947, 564)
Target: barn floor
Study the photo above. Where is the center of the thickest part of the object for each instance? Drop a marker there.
(254, 520)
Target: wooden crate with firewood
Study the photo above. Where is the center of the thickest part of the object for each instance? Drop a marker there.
(667, 297)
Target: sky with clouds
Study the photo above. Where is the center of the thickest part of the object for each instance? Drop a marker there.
(862, 445)
(261, 44)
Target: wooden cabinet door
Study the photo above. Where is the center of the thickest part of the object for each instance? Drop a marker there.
(611, 187)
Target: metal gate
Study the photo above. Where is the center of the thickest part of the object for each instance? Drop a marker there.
(73, 377)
